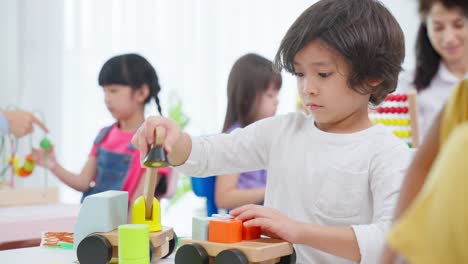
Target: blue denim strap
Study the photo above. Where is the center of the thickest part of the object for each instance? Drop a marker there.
(100, 137)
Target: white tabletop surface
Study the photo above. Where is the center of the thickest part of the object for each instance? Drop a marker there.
(38, 255)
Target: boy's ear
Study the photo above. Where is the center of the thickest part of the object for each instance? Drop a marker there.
(374, 82)
(143, 92)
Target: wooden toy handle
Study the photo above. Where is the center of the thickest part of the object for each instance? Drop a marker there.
(150, 186)
(152, 173)
(159, 135)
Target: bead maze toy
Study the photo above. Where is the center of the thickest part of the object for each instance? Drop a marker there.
(9, 195)
(399, 113)
(222, 239)
(102, 233)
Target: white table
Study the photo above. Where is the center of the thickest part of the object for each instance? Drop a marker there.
(38, 255)
(22, 223)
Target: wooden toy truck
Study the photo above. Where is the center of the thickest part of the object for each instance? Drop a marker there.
(96, 236)
(221, 239)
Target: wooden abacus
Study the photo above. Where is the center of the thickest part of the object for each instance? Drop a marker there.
(399, 113)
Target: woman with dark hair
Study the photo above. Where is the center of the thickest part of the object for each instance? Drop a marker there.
(129, 82)
(252, 94)
(441, 42)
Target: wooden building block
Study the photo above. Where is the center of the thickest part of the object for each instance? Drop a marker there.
(225, 230)
(200, 228)
(251, 232)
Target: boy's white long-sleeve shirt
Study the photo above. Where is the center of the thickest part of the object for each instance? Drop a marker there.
(313, 176)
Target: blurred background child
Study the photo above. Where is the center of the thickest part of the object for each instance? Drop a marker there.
(252, 94)
(129, 82)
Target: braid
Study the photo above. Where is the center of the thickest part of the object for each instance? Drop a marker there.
(156, 98)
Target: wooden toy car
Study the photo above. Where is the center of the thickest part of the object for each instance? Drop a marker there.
(224, 240)
(96, 235)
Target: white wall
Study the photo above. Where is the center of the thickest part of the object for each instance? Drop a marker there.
(31, 68)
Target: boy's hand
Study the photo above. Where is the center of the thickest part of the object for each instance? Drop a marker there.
(144, 136)
(39, 157)
(272, 222)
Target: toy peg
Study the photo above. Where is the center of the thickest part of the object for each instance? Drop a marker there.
(146, 209)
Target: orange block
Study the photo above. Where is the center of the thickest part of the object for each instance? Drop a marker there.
(251, 232)
(225, 230)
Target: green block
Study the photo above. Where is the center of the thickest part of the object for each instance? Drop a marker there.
(134, 244)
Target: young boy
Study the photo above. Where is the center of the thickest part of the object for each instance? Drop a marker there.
(333, 179)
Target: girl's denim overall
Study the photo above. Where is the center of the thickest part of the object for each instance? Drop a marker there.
(112, 167)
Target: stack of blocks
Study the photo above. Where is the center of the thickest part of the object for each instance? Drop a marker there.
(399, 113)
(222, 229)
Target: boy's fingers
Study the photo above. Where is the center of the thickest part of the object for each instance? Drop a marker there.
(261, 222)
(171, 139)
(149, 130)
(141, 142)
(237, 211)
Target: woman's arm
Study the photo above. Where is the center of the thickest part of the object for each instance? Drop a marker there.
(416, 176)
(419, 168)
(228, 196)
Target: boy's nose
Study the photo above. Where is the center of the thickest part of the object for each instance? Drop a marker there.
(310, 88)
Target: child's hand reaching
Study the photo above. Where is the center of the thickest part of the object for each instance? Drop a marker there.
(39, 156)
(176, 143)
(272, 222)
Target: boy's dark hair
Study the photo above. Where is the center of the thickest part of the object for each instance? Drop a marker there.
(133, 70)
(250, 75)
(427, 58)
(363, 32)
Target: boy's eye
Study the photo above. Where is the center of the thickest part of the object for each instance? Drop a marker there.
(459, 25)
(324, 74)
(299, 74)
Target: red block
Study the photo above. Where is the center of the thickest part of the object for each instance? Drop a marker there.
(251, 232)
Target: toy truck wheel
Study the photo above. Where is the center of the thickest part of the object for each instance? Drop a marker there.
(172, 245)
(289, 259)
(94, 249)
(151, 251)
(231, 256)
(192, 253)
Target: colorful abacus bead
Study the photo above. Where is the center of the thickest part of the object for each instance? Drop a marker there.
(396, 97)
(27, 168)
(402, 134)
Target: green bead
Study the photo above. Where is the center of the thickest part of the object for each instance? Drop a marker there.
(45, 144)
